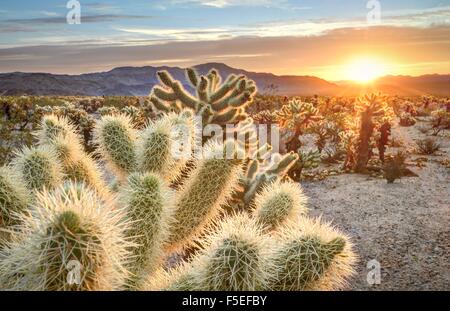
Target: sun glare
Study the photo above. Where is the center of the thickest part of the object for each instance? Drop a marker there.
(365, 70)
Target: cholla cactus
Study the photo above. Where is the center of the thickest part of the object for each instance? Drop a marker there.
(86, 169)
(234, 258)
(69, 228)
(306, 160)
(178, 278)
(14, 197)
(440, 120)
(165, 146)
(58, 133)
(261, 172)
(122, 241)
(68, 148)
(296, 116)
(372, 109)
(278, 202)
(199, 201)
(311, 255)
(406, 119)
(38, 167)
(215, 102)
(116, 140)
(149, 206)
(52, 127)
(265, 117)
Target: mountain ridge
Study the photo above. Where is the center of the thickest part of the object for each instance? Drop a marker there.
(138, 81)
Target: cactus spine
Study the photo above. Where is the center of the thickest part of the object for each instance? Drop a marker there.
(60, 135)
(13, 197)
(38, 167)
(68, 227)
(53, 126)
(116, 139)
(311, 255)
(121, 242)
(258, 175)
(278, 202)
(234, 257)
(148, 202)
(165, 146)
(215, 102)
(206, 190)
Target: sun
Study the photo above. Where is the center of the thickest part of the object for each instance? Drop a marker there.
(365, 70)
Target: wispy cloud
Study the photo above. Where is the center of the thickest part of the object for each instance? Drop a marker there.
(48, 13)
(228, 3)
(85, 19)
(313, 55)
(53, 19)
(313, 27)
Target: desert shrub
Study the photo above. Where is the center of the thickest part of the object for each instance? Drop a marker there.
(394, 167)
(424, 129)
(428, 146)
(440, 121)
(267, 102)
(406, 119)
(396, 142)
(332, 154)
(18, 118)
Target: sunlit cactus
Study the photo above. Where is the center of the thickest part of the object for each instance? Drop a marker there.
(296, 116)
(38, 167)
(14, 197)
(311, 255)
(371, 110)
(278, 202)
(116, 140)
(216, 102)
(67, 148)
(53, 126)
(165, 146)
(70, 240)
(86, 169)
(234, 258)
(207, 189)
(262, 172)
(306, 160)
(178, 278)
(148, 202)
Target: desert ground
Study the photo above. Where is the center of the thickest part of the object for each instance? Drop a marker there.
(405, 226)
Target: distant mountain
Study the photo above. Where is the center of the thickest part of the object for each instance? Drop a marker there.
(138, 81)
(401, 85)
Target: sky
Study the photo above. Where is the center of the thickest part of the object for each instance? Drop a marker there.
(285, 37)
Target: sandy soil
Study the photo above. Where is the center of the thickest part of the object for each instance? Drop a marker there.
(405, 226)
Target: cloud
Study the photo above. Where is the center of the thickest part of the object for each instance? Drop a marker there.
(294, 27)
(322, 55)
(48, 13)
(31, 24)
(228, 3)
(84, 19)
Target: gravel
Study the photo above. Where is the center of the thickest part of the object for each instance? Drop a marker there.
(405, 226)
